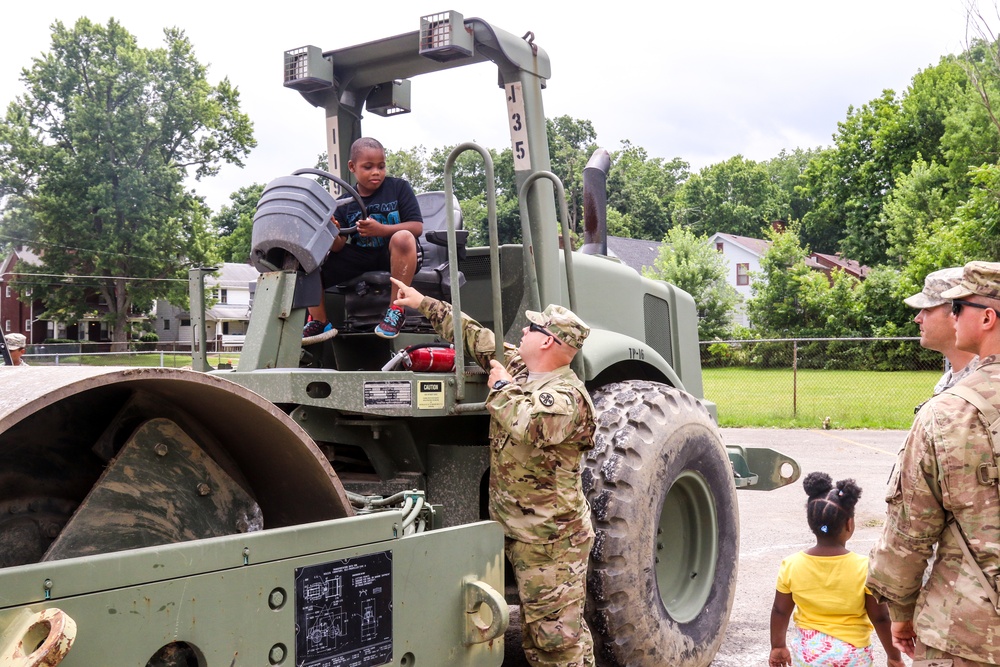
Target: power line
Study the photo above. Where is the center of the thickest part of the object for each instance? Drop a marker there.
(29, 242)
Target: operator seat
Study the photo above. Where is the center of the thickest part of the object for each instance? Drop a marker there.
(366, 297)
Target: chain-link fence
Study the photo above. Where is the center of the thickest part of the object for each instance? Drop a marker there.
(803, 382)
(819, 382)
(171, 358)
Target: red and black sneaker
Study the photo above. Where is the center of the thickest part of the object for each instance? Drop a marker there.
(391, 323)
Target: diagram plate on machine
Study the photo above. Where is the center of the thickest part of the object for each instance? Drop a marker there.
(343, 612)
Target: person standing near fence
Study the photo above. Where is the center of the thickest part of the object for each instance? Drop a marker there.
(937, 328)
(16, 344)
(944, 493)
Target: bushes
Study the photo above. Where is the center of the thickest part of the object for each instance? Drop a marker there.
(857, 354)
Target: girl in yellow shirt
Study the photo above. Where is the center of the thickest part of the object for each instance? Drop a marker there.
(825, 585)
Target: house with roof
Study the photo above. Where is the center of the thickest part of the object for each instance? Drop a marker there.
(19, 311)
(828, 263)
(226, 320)
(743, 255)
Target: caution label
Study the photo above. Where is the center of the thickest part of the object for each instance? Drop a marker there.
(430, 394)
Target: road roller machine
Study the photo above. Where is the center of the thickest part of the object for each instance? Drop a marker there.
(324, 503)
(171, 518)
(407, 415)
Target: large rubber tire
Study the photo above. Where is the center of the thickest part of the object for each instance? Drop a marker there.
(663, 568)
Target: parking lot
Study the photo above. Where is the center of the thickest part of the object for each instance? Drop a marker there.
(773, 525)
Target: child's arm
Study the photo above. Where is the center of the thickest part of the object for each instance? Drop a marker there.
(878, 614)
(781, 611)
(372, 227)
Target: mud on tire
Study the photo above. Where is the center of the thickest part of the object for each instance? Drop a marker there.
(663, 568)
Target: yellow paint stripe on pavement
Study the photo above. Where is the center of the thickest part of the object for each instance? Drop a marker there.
(853, 442)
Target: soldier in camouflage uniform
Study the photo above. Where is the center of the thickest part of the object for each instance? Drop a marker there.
(937, 330)
(947, 472)
(542, 421)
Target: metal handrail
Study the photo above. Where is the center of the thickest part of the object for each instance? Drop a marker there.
(456, 299)
(567, 243)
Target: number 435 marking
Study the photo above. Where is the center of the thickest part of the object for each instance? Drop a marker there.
(518, 128)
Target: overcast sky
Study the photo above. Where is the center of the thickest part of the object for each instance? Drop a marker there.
(702, 81)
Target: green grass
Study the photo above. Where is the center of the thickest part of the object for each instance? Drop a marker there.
(851, 399)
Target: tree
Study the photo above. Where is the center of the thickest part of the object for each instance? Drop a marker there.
(737, 196)
(689, 262)
(410, 164)
(786, 172)
(918, 201)
(571, 143)
(642, 189)
(93, 157)
(234, 224)
(784, 297)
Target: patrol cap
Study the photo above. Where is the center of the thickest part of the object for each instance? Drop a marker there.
(15, 341)
(562, 323)
(935, 283)
(980, 278)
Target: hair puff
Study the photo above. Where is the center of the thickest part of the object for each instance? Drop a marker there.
(817, 484)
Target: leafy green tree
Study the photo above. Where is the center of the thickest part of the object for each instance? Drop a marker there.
(737, 196)
(642, 190)
(688, 261)
(918, 201)
(881, 310)
(93, 158)
(786, 299)
(571, 143)
(234, 223)
(410, 164)
(854, 177)
(786, 172)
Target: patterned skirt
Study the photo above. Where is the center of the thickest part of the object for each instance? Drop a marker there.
(812, 648)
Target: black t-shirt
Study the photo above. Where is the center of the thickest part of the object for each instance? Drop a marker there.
(393, 203)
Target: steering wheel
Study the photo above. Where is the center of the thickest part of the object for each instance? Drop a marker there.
(344, 231)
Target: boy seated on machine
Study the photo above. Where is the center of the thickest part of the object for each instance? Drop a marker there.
(386, 240)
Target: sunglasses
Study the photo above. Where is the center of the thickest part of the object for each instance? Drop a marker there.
(956, 306)
(542, 330)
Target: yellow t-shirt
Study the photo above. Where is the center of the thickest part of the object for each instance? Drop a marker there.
(829, 594)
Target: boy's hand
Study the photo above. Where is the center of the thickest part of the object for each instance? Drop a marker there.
(780, 657)
(370, 227)
(406, 296)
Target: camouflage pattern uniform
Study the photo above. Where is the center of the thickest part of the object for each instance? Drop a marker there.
(540, 426)
(935, 480)
(935, 284)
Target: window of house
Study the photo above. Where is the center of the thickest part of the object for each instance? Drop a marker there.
(185, 323)
(7, 292)
(27, 326)
(719, 247)
(166, 324)
(6, 325)
(224, 296)
(742, 274)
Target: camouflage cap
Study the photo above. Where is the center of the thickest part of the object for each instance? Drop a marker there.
(980, 278)
(15, 341)
(561, 323)
(935, 283)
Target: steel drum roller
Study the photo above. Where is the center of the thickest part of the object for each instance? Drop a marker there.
(96, 459)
